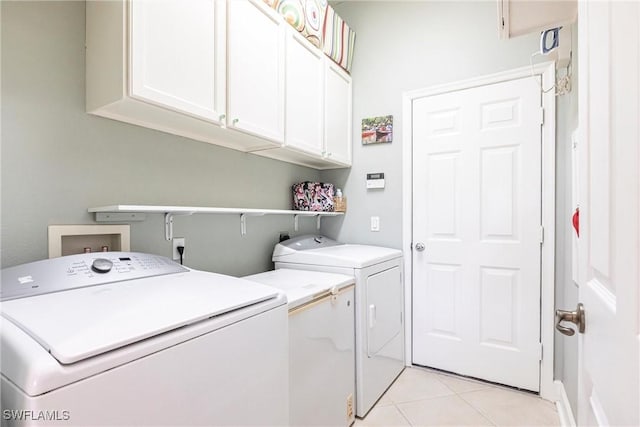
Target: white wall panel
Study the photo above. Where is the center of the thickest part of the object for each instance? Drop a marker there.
(443, 195)
(501, 114)
(499, 183)
(498, 302)
(444, 283)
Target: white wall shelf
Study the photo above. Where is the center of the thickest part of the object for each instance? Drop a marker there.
(113, 214)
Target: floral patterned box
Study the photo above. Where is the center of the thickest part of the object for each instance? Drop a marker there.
(313, 196)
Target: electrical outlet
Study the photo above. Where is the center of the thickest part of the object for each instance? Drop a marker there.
(283, 236)
(178, 241)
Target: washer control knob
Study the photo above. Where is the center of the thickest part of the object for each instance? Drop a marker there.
(101, 265)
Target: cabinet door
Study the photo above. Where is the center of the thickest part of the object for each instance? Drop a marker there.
(255, 69)
(304, 95)
(177, 55)
(337, 114)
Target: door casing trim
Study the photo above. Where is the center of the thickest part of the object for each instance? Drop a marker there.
(546, 71)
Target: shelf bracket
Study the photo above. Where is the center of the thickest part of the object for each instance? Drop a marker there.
(243, 221)
(119, 216)
(296, 222)
(168, 224)
(243, 224)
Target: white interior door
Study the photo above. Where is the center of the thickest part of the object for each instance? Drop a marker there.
(477, 213)
(609, 71)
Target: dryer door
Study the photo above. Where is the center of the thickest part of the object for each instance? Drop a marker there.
(384, 309)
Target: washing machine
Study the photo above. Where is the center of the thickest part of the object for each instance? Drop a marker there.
(321, 345)
(124, 338)
(379, 308)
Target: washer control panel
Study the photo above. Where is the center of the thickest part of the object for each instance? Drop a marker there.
(77, 271)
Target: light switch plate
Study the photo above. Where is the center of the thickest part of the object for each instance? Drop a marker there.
(375, 223)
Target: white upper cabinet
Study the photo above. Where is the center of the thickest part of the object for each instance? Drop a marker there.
(337, 115)
(178, 55)
(161, 64)
(516, 18)
(304, 95)
(255, 77)
(318, 109)
(228, 72)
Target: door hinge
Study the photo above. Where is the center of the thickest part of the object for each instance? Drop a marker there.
(541, 353)
(541, 116)
(541, 234)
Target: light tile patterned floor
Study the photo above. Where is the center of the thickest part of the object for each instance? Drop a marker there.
(422, 397)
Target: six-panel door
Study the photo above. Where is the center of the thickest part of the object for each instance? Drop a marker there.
(477, 209)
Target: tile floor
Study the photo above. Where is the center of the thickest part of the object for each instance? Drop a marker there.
(422, 397)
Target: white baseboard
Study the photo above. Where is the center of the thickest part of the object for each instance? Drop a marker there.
(564, 408)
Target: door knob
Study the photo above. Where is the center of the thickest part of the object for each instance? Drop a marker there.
(576, 317)
(420, 247)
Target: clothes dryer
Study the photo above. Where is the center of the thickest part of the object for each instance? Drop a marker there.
(379, 306)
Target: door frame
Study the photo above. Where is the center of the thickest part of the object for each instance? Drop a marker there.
(546, 71)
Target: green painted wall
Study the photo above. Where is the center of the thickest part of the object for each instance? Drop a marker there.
(57, 161)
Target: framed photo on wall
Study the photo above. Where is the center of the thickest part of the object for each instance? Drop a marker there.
(377, 130)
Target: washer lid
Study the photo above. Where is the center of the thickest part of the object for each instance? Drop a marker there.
(302, 286)
(77, 324)
(353, 256)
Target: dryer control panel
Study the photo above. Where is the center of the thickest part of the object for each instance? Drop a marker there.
(308, 241)
(77, 271)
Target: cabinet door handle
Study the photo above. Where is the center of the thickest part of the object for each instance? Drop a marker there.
(328, 154)
(222, 117)
(235, 121)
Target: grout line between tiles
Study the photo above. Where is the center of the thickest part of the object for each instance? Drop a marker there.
(453, 393)
(403, 415)
(459, 377)
(483, 413)
(461, 394)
